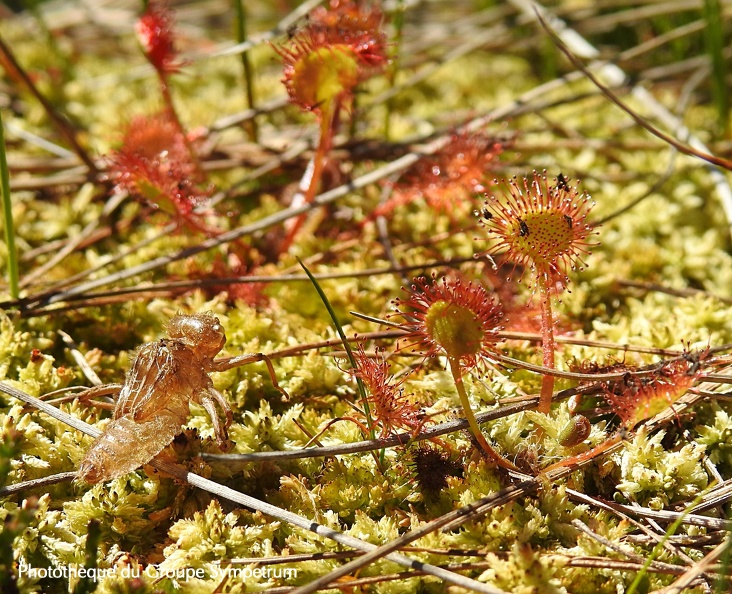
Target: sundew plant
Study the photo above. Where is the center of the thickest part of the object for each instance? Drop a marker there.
(506, 368)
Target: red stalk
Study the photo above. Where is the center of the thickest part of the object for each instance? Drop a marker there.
(327, 125)
(547, 346)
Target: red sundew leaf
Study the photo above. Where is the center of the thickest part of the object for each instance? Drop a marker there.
(155, 31)
(452, 317)
(358, 26)
(391, 409)
(450, 179)
(340, 47)
(154, 164)
(542, 227)
(638, 399)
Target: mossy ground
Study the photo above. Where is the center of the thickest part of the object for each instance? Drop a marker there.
(677, 238)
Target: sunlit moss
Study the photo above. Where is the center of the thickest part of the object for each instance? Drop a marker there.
(655, 476)
(524, 571)
(677, 237)
(718, 438)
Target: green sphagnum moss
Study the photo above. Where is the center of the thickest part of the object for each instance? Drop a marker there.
(676, 238)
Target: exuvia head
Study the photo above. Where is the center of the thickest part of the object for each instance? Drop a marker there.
(203, 333)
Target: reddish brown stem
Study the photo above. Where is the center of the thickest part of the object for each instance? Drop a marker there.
(585, 456)
(168, 100)
(327, 125)
(547, 346)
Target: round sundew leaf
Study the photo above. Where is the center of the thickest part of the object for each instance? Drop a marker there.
(455, 328)
(323, 75)
(541, 226)
(543, 235)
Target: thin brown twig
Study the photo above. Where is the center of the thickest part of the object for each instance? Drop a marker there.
(696, 570)
(45, 481)
(626, 551)
(684, 148)
(61, 124)
(74, 242)
(198, 283)
(79, 358)
(660, 515)
(684, 292)
(374, 444)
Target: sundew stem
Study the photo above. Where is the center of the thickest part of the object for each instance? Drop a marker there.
(547, 346)
(328, 120)
(173, 114)
(584, 456)
(13, 277)
(457, 375)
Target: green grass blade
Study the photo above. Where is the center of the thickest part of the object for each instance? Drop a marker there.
(13, 277)
(346, 345)
(659, 546)
(714, 39)
(724, 583)
(393, 68)
(241, 37)
(88, 584)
